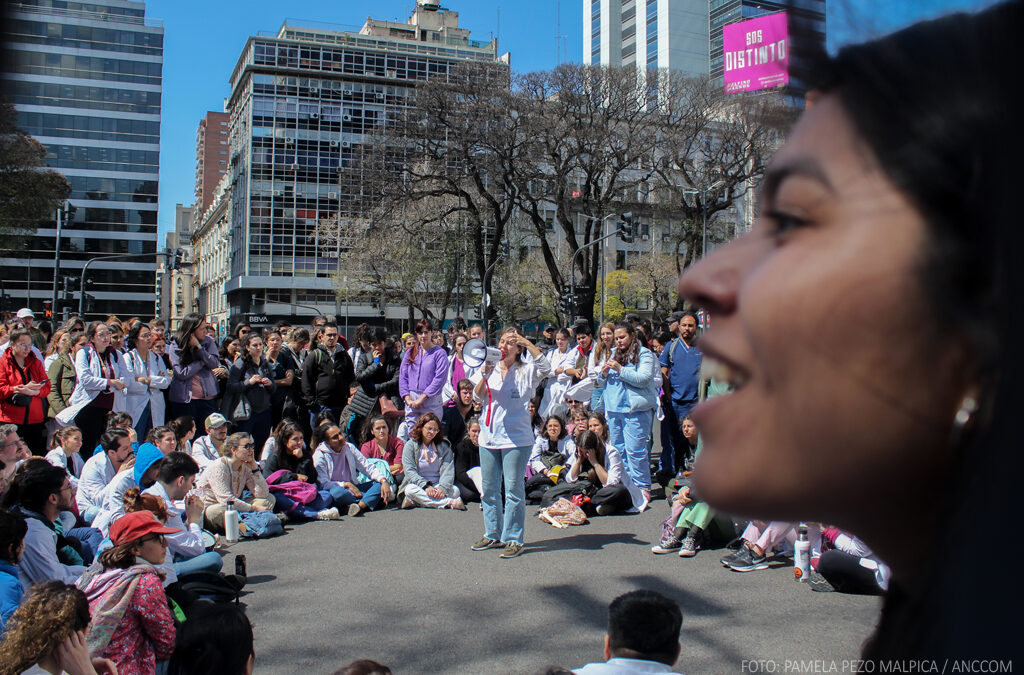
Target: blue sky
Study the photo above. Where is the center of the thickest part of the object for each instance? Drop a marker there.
(202, 42)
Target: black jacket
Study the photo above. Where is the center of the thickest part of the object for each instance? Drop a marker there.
(238, 382)
(467, 456)
(376, 380)
(326, 379)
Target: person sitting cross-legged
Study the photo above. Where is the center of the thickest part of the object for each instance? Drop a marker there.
(429, 468)
(226, 479)
(338, 464)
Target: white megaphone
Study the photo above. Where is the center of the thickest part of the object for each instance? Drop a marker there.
(476, 353)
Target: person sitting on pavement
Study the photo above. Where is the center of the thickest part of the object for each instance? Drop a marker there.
(162, 437)
(131, 623)
(550, 456)
(47, 634)
(384, 445)
(64, 452)
(39, 492)
(140, 473)
(457, 411)
(849, 565)
(174, 485)
(208, 448)
(338, 465)
(100, 469)
(217, 639)
(12, 543)
(601, 465)
(760, 539)
(694, 514)
(643, 635)
(429, 468)
(467, 457)
(293, 457)
(226, 479)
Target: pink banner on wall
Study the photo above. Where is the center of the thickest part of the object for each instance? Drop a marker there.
(756, 53)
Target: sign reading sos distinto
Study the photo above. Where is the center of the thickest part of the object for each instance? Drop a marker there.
(756, 53)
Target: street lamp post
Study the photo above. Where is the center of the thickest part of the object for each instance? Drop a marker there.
(704, 212)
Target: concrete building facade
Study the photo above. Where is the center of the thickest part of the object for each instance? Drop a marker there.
(211, 157)
(86, 79)
(301, 104)
(669, 34)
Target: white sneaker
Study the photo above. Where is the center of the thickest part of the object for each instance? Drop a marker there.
(457, 504)
(408, 503)
(329, 514)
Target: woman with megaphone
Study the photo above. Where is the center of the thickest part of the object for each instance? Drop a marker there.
(506, 438)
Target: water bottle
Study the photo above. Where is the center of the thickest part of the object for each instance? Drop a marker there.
(802, 555)
(231, 522)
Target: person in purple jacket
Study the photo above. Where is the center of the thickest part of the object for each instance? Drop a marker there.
(421, 378)
(195, 361)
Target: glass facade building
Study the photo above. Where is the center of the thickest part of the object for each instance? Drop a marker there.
(85, 78)
(301, 105)
(670, 34)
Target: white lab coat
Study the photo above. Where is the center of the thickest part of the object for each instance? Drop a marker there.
(90, 383)
(140, 394)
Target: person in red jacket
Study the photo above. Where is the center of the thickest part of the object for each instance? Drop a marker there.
(23, 389)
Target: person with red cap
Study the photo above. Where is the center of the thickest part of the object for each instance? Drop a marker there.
(131, 622)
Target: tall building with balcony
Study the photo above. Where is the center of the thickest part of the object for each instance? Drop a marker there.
(86, 80)
(302, 102)
(211, 157)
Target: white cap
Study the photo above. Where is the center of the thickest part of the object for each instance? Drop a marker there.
(25, 312)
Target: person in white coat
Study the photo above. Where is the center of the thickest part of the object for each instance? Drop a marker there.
(562, 359)
(146, 377)
(100, 387)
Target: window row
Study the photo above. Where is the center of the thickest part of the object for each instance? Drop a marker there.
(83, 126)
(85, 37)
(93, 68)
(74, 96)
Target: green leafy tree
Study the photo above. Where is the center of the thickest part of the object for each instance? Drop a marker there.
(29, 192)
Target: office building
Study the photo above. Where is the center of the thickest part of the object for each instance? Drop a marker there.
(301, 105)
(86, 78)
(211, 157)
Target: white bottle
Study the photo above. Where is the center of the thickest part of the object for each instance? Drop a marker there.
(231, 522)
(802, 555)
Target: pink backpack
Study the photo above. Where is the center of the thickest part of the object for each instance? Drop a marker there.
(300, 492)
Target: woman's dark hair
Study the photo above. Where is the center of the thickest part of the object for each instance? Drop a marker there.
(363, 667)
(181, 426)
(594, 415)
(320, 432)
(632, 357)
(564, 332)
(286, 460)
(12, 533)
(237, 328)
(417, 431)
(186, 328)
(324, 416)
(588, 440)
(933, 105)
(298, 334)
(368, 428)
(118, 420)
(363, 333)
(244, 345)
(223, 349)
(156, 433)
(536, 421)
(664, 337)
(133, 334)
(216, 640)
(560, 421)
(421, 325)
(380, 334)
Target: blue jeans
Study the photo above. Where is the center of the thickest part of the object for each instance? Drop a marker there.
(204, 562)
(90, 538)
(370, 490)
(629, 432)
(506, 466)
(299, 511)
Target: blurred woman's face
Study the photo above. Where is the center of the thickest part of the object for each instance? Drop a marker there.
(837, 256)
(562, 341)
(594, 424)
(554, 429)
(689, 430)
(273, 342)
(430, 430)
(101, 338)
(607, 336)
(73, 443)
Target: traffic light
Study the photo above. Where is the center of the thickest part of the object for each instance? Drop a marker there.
(90, 302)
(48, 309)
(627, 228)
(567, 302)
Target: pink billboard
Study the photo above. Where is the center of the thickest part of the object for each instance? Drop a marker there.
(756, 53)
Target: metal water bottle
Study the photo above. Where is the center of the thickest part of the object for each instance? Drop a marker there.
(231, 522)
(802, 555)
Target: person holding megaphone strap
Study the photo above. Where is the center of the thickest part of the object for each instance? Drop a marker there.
(506, 436)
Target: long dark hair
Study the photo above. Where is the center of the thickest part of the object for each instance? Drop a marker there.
(933, 105)
(286, 460)
(133, 334)
(632, 357)
(186, 328)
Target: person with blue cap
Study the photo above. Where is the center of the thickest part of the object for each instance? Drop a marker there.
(140, 473)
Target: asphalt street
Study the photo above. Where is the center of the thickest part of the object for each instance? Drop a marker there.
(403, 588)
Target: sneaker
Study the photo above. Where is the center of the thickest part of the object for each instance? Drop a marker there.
(669, 547)
(408, 503)
(484, 544)
(748, 561)
(605, 510)
(329, 514)
(457, 504)
(729, 558)
(689, 547)
(355, 510)
(512, 549)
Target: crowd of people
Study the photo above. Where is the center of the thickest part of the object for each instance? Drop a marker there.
(150, 441)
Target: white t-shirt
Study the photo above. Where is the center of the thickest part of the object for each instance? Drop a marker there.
(504, 422)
